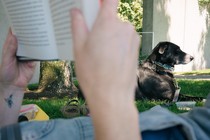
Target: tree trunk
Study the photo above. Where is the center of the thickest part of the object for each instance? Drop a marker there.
(56, 79)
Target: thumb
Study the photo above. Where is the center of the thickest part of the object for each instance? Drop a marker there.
(79, 30)
(9, 48)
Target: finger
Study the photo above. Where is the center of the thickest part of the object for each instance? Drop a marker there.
(110, 6)
(9, 34)
(79, 30)
(9, 49)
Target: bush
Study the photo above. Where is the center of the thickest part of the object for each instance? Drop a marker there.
(204, 2)
(132, 10)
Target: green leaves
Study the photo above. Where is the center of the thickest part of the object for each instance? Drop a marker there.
(131, 10)
(204, 2)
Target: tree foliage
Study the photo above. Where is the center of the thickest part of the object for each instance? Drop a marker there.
(132, 10)
(204, 2)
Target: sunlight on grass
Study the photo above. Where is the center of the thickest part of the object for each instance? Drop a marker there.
(147, 104)
(199, 72)
(199, 88)
(50, 106)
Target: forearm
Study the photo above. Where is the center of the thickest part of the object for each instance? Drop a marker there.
(10, 102)
(117, 119)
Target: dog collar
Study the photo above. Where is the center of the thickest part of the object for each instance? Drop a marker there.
(165, 66)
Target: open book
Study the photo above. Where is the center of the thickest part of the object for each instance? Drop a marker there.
(42, 27)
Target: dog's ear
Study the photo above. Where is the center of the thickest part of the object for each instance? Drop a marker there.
(162, 49)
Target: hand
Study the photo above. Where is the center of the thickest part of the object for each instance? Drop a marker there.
(13, 72)
(14, 77)
(106, 57)
(106, 62)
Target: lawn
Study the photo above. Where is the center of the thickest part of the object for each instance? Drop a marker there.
(190, 87)
(200, 72)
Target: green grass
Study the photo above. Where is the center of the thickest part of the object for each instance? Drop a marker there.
(200, 72)
(52, 107)
(194, 87)
(49, 106)
(33, 86)
(147, 104)
(189, 87)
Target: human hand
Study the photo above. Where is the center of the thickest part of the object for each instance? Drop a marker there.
(13, 72)
(14, 77)
(106, 62)
(106, 56)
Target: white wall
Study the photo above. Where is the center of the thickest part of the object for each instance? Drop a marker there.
(4, 26)
(183, 23)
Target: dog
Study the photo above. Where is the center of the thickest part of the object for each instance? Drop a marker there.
(155, 78)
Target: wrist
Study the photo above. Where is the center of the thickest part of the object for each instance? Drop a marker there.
(119, 103)
(10, 103)
(10, 89)
(98, 94)
(115, 120)
(113, 106)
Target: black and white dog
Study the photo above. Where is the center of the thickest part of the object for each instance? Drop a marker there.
(155, 75)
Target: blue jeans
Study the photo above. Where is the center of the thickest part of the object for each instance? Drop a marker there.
(82, 129)
(172, 133)
(59, 129)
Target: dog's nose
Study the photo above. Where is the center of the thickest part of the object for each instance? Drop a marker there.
(191, 58)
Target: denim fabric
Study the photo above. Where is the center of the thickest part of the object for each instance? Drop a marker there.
(60, 129)
(194, 124)
(10, 132)
(159, 118)
(199, 119)
(172, 133)
(82, 129)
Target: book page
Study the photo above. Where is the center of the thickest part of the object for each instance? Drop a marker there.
(60, 10)
(32, 25)
(90, 10)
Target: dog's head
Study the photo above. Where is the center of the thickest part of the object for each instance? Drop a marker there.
(170, 54)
